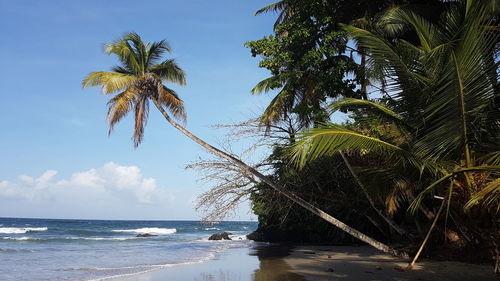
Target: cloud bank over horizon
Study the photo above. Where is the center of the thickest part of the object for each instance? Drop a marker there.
(109, 181)
(111, 191)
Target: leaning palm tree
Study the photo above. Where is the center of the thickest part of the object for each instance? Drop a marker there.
(139, 80)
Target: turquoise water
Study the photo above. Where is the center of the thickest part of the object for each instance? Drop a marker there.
(44, 249)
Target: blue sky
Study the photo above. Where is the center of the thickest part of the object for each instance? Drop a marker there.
(57, 159)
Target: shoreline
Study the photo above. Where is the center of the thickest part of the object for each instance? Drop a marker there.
(275, 262)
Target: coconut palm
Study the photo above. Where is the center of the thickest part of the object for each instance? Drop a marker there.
(446, 88)
(139, 80)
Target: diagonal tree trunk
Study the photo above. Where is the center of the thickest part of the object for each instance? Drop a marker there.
(392, 224)
(250, 170)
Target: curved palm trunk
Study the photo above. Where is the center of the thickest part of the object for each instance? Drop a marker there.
(393, 225)
(421, 248)
(248, 169)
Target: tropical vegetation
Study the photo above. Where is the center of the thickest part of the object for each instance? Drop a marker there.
(414, 168)
(424, 135)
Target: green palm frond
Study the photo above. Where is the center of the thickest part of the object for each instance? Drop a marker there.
(274, 7)
(121, 69)
(280, 104)
(317, 142)
(398, 61)
(266, 85)
(489, 196)
(414, 205)
(375, 107)
(492, 158)
(282, 7)
(111, 82)
(398, 19)
(170, 71)
(463, 91)
(155, 52)
(131, 56)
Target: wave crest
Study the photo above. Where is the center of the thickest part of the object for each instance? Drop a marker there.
(21, 230)
(150, 230)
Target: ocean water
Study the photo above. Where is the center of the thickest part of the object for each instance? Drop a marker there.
(55, 249)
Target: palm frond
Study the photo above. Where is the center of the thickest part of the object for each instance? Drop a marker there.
(398, 62)
(121, 69)
(119, 106)
(274, 7)
(317, 142)
(280, 104)
(155, 51)
(488, 196)
(377, 108)
(129, 55)
(110, 81)
(170, 71)
(171, 100)
(398, 19)
(141, 109)
(266, 85)
(463, 91)
(414, 205)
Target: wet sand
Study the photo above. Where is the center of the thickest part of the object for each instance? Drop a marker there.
(267, 262)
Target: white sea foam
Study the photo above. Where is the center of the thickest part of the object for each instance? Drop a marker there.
(239, 237)
(21, 230)
(143, 268)
(24, 238)
(19, 238)
(212, 228)
(150, 230)
(107, 238)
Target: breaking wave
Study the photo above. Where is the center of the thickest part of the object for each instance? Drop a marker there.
(21, 230)
(149, 230)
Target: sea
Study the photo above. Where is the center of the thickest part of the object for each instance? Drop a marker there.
(84, 250)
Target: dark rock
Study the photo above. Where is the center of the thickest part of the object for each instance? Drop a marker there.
(270, 235)
(145, 235)
(330, 269)
(220, 236)
(255, 236)
(276, 235)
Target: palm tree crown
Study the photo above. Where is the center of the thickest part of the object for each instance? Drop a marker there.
(138, 78)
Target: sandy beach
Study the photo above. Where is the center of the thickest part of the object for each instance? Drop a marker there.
(314, 263)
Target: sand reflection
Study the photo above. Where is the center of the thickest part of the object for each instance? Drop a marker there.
(272, 266)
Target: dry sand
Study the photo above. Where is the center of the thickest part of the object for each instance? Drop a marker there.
(347, 263)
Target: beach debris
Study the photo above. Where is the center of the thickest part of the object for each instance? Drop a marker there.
(145, 235)
(220, 236)
(329, 269)
(329, 256)
(309, 252)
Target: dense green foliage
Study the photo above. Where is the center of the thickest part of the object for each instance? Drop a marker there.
(420, 80)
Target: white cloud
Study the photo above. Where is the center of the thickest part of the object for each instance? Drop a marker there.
(111, 181)
(111, 191)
